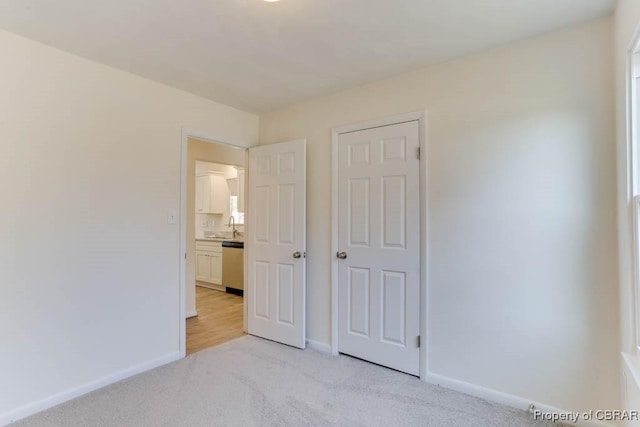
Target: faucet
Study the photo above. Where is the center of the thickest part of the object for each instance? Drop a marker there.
(232, 223)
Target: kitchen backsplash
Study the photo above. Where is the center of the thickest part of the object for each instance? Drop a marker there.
(213, 222)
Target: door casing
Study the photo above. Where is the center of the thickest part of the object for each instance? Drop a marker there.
(421, 117)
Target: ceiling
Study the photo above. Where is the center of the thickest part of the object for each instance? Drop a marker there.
(259, 56)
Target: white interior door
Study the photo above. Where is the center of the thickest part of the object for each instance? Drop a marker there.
(379, 246)
(277, 241)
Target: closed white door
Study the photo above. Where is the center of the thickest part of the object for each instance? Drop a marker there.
(277, 242)
(379, 246)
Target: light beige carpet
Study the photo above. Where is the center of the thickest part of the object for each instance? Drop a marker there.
(254, 382)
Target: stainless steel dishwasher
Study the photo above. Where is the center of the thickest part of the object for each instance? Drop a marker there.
(233, 267)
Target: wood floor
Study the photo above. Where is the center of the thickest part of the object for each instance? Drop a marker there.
(219, 319)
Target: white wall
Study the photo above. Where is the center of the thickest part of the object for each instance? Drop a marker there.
(522, 246)
(89, 166)
(627, 19)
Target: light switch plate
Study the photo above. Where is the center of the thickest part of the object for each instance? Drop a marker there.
(172, 217)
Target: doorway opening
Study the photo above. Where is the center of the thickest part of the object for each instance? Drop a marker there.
(212, 241)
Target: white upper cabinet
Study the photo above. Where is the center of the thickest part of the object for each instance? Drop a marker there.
(212, 193)
(202, 182)
(240, 190)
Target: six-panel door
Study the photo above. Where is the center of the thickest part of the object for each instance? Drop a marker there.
(379, 228)
(276, 233)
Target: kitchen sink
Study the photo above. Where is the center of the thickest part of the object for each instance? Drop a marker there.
(219, 234)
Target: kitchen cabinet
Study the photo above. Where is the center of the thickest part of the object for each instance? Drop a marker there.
(209, 262)
(212, 193)
(240, 190)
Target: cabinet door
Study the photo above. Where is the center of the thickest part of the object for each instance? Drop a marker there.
(202, 189)
(203, 267)
(219, 195)
(241, 190)
(216, 267)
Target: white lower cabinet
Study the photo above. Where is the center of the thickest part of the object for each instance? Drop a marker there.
(209, 262)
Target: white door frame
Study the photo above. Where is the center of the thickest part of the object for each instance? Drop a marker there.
(421, 117)
(186, 134)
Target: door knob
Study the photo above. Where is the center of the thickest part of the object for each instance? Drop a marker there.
(341, 255)
(297, 255)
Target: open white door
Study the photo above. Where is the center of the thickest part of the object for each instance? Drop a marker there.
(277, 240)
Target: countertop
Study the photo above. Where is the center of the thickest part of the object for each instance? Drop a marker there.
(219, 239)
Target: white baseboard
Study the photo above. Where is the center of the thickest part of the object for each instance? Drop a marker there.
(56, 399)
(503, 398)
(191, 314)
(319, 346)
